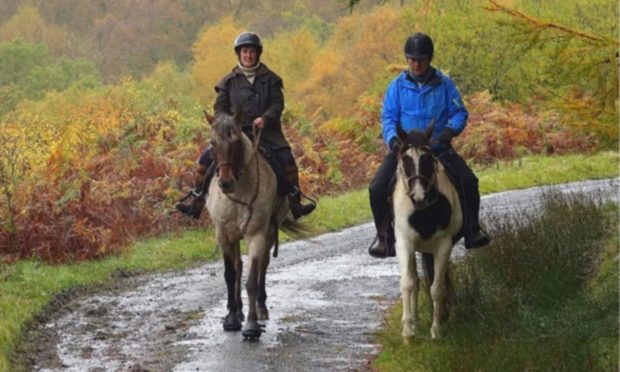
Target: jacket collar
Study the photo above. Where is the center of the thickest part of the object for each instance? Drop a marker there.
(261, 70)
(434, 80)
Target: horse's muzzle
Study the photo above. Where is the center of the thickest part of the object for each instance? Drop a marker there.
(227, 186)
(421, 204)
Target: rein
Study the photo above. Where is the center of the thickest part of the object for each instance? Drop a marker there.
(250, 204)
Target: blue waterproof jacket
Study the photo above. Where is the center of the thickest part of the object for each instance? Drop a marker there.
(413, 107)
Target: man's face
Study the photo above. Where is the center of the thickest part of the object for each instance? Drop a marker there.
(248, 55)
(419, 66)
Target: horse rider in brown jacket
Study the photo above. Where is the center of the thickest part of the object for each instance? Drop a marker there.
(256, 92)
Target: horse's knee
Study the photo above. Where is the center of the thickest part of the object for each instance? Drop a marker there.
(409, 283)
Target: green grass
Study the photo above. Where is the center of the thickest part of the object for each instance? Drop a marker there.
(546, 170)
(542, 297)
(26, 287)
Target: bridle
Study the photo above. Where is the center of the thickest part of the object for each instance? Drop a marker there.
(238, 171)
(427, 183)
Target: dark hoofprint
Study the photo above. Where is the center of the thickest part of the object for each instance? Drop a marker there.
(436, 217)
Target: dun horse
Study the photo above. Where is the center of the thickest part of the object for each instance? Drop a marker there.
(428, 219)
(243, 203)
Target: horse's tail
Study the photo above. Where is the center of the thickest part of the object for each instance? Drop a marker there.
(292, 228)
(295, 229)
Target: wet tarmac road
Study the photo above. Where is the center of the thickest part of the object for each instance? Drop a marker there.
(326, 299)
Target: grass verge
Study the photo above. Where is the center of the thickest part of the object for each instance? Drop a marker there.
(541, 297)
(26, 287)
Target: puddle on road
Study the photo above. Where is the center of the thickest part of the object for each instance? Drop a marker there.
(305, 317)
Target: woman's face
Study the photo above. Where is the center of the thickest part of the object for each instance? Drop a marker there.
(248, 56)
(418, 66)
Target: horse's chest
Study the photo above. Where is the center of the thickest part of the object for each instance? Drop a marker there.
(428, 221)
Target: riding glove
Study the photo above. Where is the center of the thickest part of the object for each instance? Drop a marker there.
(395, 145)
(445, 138)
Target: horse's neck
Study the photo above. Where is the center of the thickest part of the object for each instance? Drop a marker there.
(254, 166)
(248, 150)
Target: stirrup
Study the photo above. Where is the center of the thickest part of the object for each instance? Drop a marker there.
(312, 201)
(191, 192)
(195, 206)
(477, 239)
(378, 248)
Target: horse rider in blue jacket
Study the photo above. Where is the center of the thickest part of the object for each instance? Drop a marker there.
(414, 99)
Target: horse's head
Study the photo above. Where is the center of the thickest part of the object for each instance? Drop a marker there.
(417, 166)
(227, 143)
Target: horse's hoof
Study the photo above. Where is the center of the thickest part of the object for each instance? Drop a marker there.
(232, 322)
(252, 331)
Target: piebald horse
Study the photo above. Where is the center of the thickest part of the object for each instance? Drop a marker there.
(428, 219)
(244, 203)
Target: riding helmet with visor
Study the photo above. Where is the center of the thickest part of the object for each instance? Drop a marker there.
(248, 39)
(419, 46)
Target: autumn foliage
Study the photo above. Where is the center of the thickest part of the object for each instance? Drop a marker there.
(85, 168)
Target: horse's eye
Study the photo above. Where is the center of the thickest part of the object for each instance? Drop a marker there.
(408, 164)
(427, 164)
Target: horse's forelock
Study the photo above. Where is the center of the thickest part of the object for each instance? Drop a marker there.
(416, 139)
(226, 126)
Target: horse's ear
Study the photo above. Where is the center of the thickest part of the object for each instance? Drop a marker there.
(210, 118)
(428, 133)
(401, 133)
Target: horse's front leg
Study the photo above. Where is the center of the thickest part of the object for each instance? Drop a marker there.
(232, 276)
(438, 288)
(256, 247)
(409, 285)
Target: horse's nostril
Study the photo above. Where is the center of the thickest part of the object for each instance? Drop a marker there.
(226, 185)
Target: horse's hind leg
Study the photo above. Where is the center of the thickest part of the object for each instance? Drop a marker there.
(438, 288)
(239, 272)
(232, 275)
(261, 311)
(256, 249)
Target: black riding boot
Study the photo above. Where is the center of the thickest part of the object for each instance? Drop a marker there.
(294, 196)
(379, 193)
(384, 245)
(199, 194)
(475, 237)
(466, 184)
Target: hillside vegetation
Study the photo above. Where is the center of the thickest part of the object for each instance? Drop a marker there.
(101, 112)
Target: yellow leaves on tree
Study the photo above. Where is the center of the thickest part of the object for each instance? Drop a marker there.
(28, 25)
(291, 55)
(361, 47)
(214, 57)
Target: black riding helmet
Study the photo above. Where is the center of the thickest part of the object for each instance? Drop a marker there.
(418, 46)
(248, 39)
